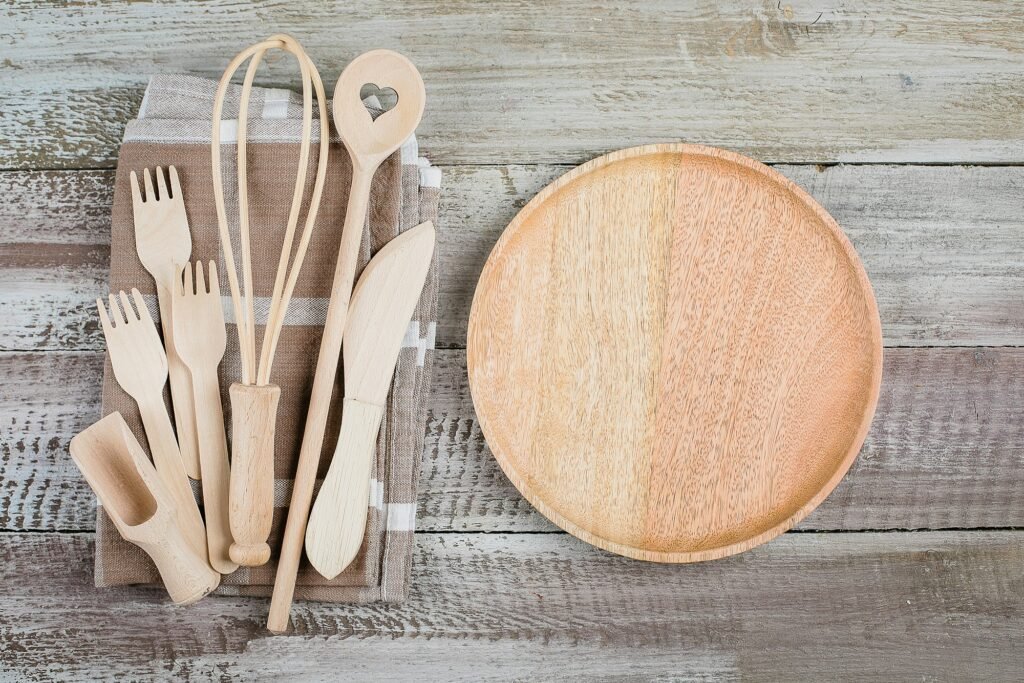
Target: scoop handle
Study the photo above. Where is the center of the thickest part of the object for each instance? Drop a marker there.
(251, 490)
(186, 576)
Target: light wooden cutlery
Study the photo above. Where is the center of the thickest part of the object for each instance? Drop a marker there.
(139, 504)
(382, 305)
(163, 242)
(369, 142)
(254, 399)
(202, 339)
(140, 367)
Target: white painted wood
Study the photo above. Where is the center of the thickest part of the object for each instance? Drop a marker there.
(561, 81)
(942, 246)
(489, 607)
(945, 449)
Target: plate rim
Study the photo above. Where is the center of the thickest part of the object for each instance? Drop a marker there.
(856, 443)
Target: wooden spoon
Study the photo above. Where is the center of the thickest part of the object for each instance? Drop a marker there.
(369, 142)
(382, 304)
(140, 505)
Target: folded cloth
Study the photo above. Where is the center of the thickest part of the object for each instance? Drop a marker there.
(173, 128)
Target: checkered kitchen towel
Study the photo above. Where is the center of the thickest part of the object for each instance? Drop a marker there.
(173, 128)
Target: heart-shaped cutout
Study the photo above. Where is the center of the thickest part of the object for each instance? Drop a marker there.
(378, 100)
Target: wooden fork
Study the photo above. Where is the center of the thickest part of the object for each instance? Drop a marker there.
(201, 337)
(140, 367)
(163, 242)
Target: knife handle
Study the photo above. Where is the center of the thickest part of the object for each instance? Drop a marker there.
(337, 522)
(251, 492)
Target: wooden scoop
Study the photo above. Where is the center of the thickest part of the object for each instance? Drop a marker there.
(382, 305)
(140, 505)
(369, 142)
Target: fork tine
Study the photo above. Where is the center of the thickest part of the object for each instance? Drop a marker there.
(115, 312)
(126, 307)
(188, 286)
(136, 192)
(140, 304)
(161, 184)
(214, 283)
(104, 319)
(200, 279)
(150, 195)
(175, 183)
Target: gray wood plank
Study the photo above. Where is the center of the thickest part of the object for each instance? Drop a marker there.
(559, 81)
(946, 449)
(487, 607)
(942, 246)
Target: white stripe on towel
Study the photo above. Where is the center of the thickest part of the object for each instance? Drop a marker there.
(275, 103)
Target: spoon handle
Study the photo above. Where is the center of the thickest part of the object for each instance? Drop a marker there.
(320, 399)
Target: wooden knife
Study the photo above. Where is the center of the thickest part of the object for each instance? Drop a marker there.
(382, 305)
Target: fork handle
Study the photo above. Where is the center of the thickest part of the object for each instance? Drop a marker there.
(181, 389)
(169, 466)
(213, 457)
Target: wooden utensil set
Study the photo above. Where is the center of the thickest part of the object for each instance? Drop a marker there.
(154, 507)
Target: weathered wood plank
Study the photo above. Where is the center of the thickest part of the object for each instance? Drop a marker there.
(941, 244)
(883, 81)
(892, 606)
(946, 449)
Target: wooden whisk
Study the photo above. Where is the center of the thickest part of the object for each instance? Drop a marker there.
(254, 400)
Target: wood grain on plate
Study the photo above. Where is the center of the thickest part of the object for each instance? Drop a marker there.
(674, 353)
(560, 81)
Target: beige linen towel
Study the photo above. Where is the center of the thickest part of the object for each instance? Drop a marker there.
(173, 128)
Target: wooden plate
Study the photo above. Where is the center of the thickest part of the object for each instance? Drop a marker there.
(674, 353)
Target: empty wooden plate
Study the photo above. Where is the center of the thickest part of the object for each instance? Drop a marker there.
(674, 353)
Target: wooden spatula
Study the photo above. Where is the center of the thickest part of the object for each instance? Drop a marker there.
(202, 339)
(382, 304)
(140, 367)
(140, 505)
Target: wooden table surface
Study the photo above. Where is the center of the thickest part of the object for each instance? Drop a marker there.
(905, 120)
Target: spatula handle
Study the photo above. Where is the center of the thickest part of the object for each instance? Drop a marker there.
(337, 523)
(251, 493)
(213, 457)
